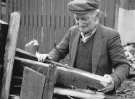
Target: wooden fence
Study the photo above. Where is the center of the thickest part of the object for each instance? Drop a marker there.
(48, 20)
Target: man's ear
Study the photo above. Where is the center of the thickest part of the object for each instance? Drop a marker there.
(75, 20)
(98, 14)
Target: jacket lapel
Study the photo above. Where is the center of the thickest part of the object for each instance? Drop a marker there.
(97, 47)
(74, 48)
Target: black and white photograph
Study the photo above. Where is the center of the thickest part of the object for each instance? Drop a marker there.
(67, 49)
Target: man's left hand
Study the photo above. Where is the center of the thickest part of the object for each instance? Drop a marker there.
(108, 86)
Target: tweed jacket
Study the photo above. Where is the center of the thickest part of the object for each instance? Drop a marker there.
(107, 54)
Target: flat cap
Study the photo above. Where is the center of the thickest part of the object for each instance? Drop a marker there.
(82, 6)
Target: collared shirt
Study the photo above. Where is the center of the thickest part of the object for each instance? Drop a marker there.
(85, 37)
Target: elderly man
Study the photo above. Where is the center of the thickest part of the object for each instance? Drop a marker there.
(91, 46)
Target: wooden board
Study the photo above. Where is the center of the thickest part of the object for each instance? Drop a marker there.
(69, 76)
(50, 81)
(48, 70)
(32, 84)
(83, 94)
(38, 66)
(79, 78)
(10, 53)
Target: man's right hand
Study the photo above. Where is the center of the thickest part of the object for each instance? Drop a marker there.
(42, 57)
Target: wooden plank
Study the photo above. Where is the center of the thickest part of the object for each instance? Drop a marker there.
(32, 84)
(110, 20)
(50, 81)
(69, 76)
(85, 94)
(79, 78)
(80, 93)
(23, 54)
(46, 41)
(26, 13)
(39, 12)
(31, 13)
(46, 69)
(38, 66)
(76, 77)
(10, 53)
(9, 6)
(102, 8)
(117, 3)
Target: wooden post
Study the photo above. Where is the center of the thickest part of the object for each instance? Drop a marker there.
(68, 76)
(49, 84)
(10, 53)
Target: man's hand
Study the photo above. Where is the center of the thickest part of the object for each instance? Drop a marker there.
(108, 86)
(42, 57)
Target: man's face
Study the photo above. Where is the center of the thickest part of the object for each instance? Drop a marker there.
(86, 22)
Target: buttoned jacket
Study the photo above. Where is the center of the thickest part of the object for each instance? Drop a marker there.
(107, 54)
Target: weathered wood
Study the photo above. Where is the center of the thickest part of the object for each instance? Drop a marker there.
(46, 69)
(79, 78)
(50, 81)
(10, 53)
(83, 94)
(28, 55)
(38, 66)
(32, 84)
(24, 54)
(69, 76)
